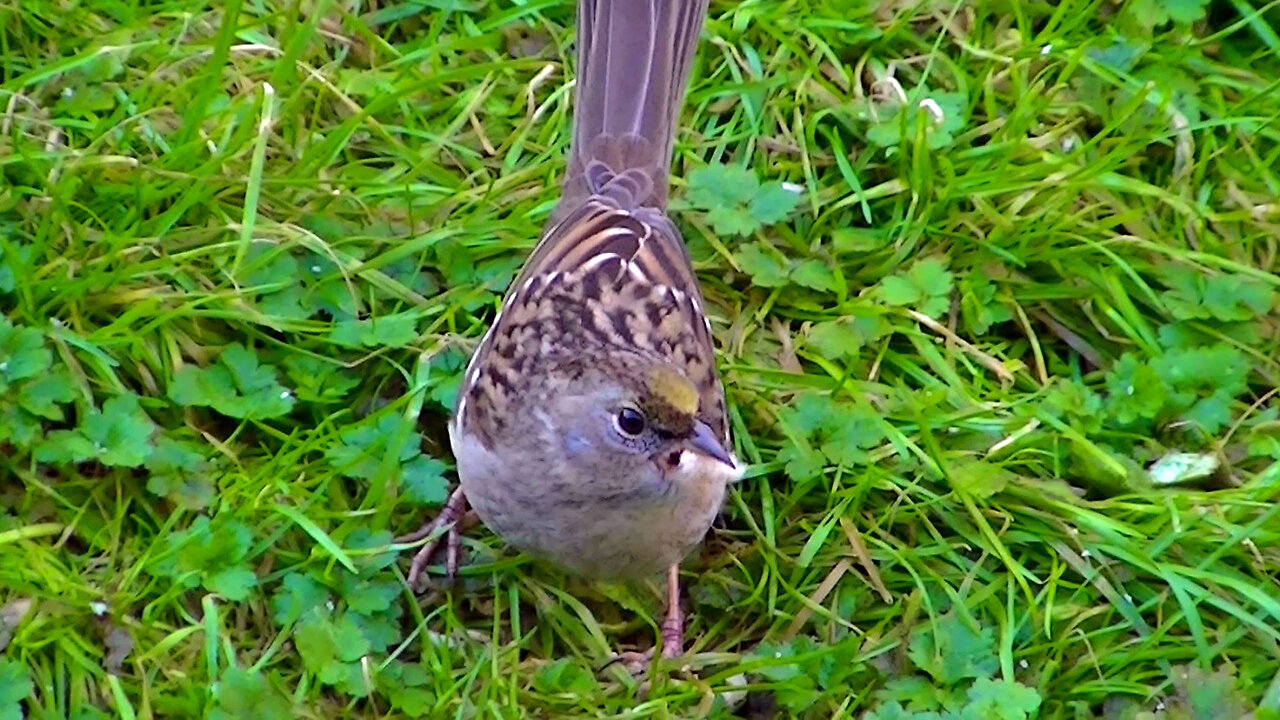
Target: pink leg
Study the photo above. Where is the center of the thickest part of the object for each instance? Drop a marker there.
(673, 626)
(672, 630)
(452, 516)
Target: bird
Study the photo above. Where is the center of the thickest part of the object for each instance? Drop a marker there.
(590, 429)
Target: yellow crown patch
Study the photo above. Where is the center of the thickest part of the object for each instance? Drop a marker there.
(673, 389)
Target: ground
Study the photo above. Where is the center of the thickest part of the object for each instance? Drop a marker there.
(993, 286)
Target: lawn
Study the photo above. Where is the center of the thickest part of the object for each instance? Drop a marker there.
(993, 286)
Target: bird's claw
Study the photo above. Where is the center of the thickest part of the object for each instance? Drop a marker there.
(453, 517)
(637, 663)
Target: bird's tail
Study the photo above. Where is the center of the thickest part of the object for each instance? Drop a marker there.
(633, 69)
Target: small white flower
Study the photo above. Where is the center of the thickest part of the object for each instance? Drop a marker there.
(793, 187)
(896, 87)
(1046, 49)
(934, 109)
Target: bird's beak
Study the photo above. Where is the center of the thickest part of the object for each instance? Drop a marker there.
(704, 441)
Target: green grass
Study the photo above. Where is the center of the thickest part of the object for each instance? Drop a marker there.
(244, 246)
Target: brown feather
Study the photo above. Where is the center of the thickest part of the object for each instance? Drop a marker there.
(611, 273)
(595, 291)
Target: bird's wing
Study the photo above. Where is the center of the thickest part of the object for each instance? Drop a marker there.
(603, 276)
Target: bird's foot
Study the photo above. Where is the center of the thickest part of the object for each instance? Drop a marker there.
(454, 518)
(637, 663)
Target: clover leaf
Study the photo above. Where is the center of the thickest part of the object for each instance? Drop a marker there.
(978, 478)
(181, 472)
(395, 330)
(362, 449)
(408, 687)
(13, 265)
(319, 381)
(15, 686)
(815, 275)
(764, 265)
(239, 386)
(22, 353)
(367, 596)
(979, 306)
(844, 433)
(735, 201)
(298, 595)
(836, 339)
(212, 553)
(119, 434)
(247, 695)
(769, 268)
(31, 387)
(331, 649)
(1001, 700)
(954, 652)
(925, 286)
(44, 395)
(896, 124)
(1154, 13)
(1228, 298)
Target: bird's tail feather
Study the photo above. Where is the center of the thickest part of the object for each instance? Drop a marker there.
(634, 58)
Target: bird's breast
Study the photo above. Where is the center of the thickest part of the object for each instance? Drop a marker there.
(606, 536)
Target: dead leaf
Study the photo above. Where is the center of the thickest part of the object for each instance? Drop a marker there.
(11, 616)
(119, 645)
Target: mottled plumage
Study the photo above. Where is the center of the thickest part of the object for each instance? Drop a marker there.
(603, 277)
(590, 427)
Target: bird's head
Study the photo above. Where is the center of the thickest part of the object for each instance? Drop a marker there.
(631, 423)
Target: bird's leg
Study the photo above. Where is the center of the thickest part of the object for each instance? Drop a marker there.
(453, 516)
(673, 625)
(672, 631)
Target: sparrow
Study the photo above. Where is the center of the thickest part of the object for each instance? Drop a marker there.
(590, 427)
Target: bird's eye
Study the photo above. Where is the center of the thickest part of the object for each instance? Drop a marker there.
(629, 421)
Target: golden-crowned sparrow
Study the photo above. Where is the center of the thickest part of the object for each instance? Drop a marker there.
(590, 428)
